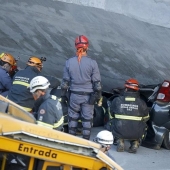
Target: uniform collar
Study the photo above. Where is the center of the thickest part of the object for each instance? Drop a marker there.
(33, 69)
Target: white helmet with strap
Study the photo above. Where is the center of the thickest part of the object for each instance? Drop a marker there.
(38, 82)
(104, 137)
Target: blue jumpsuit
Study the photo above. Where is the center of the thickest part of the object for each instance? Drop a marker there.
(81, 77)
(5, 82)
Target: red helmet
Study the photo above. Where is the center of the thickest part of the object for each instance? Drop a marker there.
(132, 84)
(81, 42)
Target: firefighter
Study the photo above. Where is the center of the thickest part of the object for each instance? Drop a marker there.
(47, 107)
(130, 115)
(105, 138)
(82, 74)
(6, 63)
(19, 92)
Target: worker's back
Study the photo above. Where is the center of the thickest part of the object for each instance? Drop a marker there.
(81, 75)
(19, 92)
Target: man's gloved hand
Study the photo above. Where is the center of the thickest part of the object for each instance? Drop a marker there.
(100, 101)
(64, 99)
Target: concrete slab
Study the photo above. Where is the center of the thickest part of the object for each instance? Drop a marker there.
(123, 45)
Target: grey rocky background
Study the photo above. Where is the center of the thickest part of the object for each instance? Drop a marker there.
(127, 38)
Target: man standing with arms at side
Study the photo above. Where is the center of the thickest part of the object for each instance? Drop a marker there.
(82, 74)
(130, 114)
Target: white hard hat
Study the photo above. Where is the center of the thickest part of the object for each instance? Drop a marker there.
(38, 82)
(104, 137)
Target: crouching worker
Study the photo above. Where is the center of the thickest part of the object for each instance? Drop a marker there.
(105, 138)
(130, 115)
(47, 108)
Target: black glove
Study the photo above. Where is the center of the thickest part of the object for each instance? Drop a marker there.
(64, 99)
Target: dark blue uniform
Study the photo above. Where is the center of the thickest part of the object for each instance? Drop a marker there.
(5, 82)
(81, 77)
(19, 92)
(49, 112)
(130, 114)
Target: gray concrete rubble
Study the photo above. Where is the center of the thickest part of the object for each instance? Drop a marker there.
(127, 38)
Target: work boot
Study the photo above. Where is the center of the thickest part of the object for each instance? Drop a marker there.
(134, 146)
(120, 145)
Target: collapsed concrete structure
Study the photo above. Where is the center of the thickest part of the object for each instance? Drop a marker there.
(127, 38)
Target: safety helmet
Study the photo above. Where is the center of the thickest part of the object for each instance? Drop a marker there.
(35, 61)
(6, 57)
(81, 42)
(104, 137)
(38, 82)
(132, 84)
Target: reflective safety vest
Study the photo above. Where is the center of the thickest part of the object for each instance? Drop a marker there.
(132, 99)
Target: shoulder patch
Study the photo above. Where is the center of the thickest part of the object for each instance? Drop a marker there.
(42, 111)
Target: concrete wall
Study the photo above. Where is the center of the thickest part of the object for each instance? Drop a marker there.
(152, 11)
(122, 46)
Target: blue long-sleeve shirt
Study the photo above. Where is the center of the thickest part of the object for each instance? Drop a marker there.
(81, 75)
(5, 82)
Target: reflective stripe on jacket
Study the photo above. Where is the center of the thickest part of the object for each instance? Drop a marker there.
(131, 117)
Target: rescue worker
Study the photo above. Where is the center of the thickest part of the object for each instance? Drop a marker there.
(82, 74)
(130, 114)
(48, 108)
(6, 63)
(19, 92)
(105, 138)
(14, 68)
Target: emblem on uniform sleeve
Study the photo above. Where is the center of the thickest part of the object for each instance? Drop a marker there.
(42, 111)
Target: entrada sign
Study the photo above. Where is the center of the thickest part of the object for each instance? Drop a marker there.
(34, 150)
